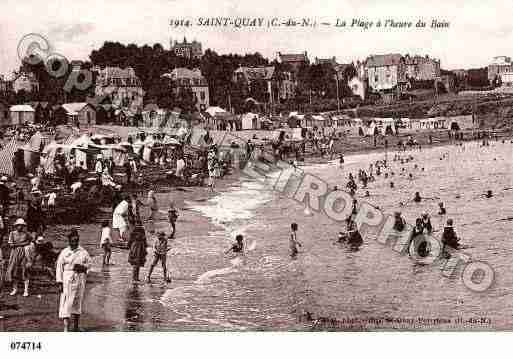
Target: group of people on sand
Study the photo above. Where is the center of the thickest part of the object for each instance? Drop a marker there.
(28, 255)
(70, 268)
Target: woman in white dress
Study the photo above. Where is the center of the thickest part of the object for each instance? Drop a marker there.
(119, 219)
(72, 266)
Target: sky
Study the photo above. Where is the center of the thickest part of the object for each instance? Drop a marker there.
(478, 30)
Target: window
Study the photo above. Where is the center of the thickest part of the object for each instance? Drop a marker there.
(202, 95)
(375, 78)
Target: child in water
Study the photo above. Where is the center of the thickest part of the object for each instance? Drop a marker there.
(105, 242)
(441, 210)
(294, 243)
(238, 246)
(399, 222)
(160, 249)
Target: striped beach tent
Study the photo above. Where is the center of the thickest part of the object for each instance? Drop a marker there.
(6, 156)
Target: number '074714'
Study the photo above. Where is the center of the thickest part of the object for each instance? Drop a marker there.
(26, 346)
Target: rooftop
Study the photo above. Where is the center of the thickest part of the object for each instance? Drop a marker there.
(293, 57)
(75, 107)
(256, 73)
(184, 73)
(21, 108)
(384, 60)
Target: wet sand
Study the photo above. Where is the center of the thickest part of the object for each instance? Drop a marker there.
(39, 312)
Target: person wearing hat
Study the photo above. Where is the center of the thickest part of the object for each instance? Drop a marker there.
(71, 274)
(160, 249)
(18, 239)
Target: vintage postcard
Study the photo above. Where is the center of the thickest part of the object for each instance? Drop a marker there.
(171, 165)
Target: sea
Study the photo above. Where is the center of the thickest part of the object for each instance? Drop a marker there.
(330, 286)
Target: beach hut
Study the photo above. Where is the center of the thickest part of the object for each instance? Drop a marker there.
(21, 114)
(250, 121)
(320, 121)
(80, 113)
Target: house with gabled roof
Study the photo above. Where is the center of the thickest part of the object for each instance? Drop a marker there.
(294, 61)
(386, 72)
(278, 86)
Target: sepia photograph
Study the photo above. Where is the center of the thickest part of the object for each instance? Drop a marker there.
(232, 167)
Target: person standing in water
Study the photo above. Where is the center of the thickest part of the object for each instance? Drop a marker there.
(399, 222)
(238, 246)
(449, 237)
(160, 248)
(441, 210)
(426, 222)
(137, 245)
(106, 242)
(294, 243)
(154, 209)
(172, 215)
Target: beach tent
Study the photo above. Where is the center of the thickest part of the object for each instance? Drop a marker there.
(6, 157)
(371, 129)
(388, 126)
(215, 110)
